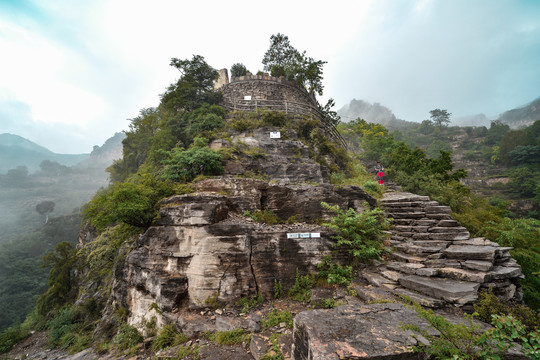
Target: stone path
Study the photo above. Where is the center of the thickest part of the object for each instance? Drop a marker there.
(435, 261)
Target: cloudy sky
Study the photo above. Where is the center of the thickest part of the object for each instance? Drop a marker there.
(73, 72)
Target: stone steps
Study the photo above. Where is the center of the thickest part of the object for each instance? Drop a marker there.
(435, 257)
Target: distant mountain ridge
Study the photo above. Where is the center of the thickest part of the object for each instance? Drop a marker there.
(522, 116)
(379, 114)
(17, 151)
(374, 113)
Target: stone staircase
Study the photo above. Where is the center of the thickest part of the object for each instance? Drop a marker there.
(435, 262)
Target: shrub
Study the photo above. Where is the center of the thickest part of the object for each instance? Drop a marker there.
(334, 273)
(488, 305)
(359, 233)
(465, 341)
(250, 302)
(301, 290)
(127, 337)
(184, 165)
(130, 202)
(168, 337)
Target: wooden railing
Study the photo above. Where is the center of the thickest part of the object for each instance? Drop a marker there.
(289, 108)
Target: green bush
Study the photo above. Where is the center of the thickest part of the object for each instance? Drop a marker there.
(248, 303)
(184, 165)
(131, 203)
(361, 234)
(301, 290)
(488, 305)
(335, 273)
(466, 341)
(127, 337)
(168, 337)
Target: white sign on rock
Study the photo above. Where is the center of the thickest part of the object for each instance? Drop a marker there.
(247, 97)
(275, 135)
(303, 235)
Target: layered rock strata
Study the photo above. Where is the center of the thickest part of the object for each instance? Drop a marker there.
(203, 249)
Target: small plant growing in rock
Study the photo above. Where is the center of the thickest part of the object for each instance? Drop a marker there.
(232, 337)
(127, 337)
(250, 302)
(276, 317)
(168, 337)
(265, 216)
(278, 289)
(274, 352)
(301, 290)
(335, 273)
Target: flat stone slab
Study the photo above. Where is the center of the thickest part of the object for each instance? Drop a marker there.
(470, 252)
(477, 265)
(407, 268)
(463, 274)
(376, 279)
(453, 291)
(365, 332)
(423, 300)
(408, 258)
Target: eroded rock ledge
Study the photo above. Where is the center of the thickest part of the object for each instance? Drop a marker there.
(203, 248)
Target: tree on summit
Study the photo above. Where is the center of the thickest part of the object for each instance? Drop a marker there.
(440, 117)
(282, 59)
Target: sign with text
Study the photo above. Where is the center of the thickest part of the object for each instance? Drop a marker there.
(247, 97)
(303, 235)
(275, 135)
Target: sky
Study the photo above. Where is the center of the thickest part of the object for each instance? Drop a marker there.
(72, 73)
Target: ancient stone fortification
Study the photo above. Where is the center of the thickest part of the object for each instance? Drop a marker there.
(264, 91)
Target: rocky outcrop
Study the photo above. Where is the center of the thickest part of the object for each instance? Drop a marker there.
(203, 248)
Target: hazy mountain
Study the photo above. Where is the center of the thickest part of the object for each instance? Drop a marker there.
(17, 151)
(374, 113)
(522, 116)
(472, 120)
(103, 156)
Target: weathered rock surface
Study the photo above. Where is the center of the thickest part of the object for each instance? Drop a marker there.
(202, 248)
(364, 332)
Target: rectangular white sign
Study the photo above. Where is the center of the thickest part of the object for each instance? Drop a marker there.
(275, 135)
(303, 235)
(247, 97)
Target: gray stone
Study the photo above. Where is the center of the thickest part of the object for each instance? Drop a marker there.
(478, 265)
(371, 294)
(449, 236)
(501, 272)
(407, 268)
(408, 258)
(470, 252)
(453, 291)
(376, 279)
(367, 332)
(429, 272)
(423, 300)
(463, 274)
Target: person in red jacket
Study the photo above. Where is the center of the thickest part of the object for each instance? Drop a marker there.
(379, 169)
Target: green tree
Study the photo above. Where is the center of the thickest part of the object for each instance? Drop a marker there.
(440, 117)
(60, 277)
(282, 59)
(238, 69)
(426, 127)
(44, 208)
(195, 86)
(496, 132)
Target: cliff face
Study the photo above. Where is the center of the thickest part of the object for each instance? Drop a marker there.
(204, 248)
